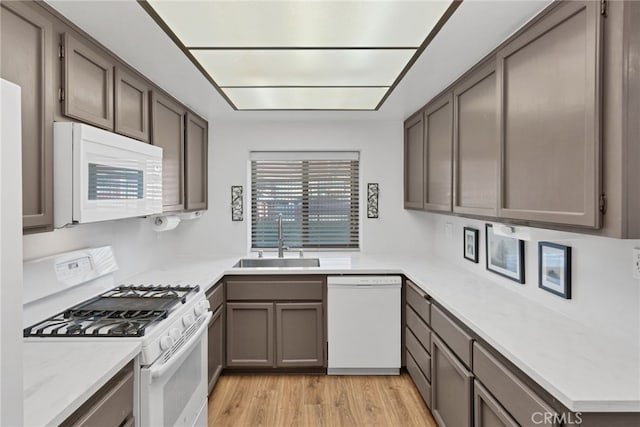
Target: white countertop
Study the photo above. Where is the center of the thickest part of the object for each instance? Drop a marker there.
(585, 369)
(60, 376)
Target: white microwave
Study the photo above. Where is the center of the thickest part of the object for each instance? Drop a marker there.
(100, 175)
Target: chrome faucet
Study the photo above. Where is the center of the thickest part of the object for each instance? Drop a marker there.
(281, 246)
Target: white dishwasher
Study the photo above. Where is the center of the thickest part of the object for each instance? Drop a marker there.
(363, 321)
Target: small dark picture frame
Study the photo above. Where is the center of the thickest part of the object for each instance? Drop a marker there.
(470, 244)
(504, 255)
(554, 268)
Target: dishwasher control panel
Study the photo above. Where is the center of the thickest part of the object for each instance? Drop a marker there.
(363, 280)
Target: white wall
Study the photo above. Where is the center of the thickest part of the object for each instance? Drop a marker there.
(10, 248)
(135, 244)
(604, 294)
(381, 161)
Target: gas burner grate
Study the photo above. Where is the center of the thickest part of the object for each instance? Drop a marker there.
(124, 311)
(172, 292)
(91, 323)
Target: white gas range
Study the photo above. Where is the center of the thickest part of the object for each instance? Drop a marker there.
(73, 296)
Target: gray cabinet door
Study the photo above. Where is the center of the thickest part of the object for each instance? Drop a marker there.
(476, 145)
(112, 405)
(215, 343)
(451, 402)
(299, 334)
(88, 83)
(414, 162)
(550, 118)
(167, 131)
(250, 334)
(487, 411)
(26, 60)
(131, 105)
(438, 125)
(196, 170)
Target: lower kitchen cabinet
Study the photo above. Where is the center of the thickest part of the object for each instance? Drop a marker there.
(215, 338)
(451, 387)
(112, 405)
(215, 343)
(299, 334)
(250, 334)
(487, 411)
(421, 382)
(512, 393)
(275, 322)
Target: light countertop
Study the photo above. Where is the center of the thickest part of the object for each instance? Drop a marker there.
(60, 376)
(585, 369)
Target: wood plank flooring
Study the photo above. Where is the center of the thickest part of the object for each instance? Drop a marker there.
(317, 400)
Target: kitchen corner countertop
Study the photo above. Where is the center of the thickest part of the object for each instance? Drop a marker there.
(586, 370)
(60, 376)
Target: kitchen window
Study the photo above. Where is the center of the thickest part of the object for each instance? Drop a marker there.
(317, 194)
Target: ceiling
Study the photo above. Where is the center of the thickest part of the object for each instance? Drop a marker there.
(125, 28)
(302, 55)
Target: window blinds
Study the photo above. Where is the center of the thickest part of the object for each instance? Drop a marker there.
(318, 199)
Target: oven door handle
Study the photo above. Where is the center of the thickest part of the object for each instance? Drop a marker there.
(183, 351)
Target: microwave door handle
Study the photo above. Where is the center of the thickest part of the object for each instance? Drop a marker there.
(183, 351)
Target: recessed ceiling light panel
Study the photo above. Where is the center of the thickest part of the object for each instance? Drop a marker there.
(300, 23)
(306, 98)
(344, 67)
(315, 54)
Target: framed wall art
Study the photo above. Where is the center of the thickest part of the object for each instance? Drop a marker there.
(373, 191)
(554, 268)
(470, 242)
(237, 203)
(505, 255)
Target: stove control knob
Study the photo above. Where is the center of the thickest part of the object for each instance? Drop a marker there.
(174, 333)
(202, 307)
(188, 320)
(166, 342)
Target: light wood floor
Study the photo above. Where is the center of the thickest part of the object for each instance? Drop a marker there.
(317, 400)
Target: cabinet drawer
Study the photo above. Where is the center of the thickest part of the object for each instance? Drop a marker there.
(452, 334)
(275, 289)
(110, 406)
(420, 355)
(215, 296)
(515, 396)
(421, 382)
(417, 300)
(419, 328)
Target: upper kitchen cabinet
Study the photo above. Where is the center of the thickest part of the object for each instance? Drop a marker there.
(88, 83)
(27, 60)
(414, 162)
(131, 98)
(438, 124)
(167, 131)
(621, 109)
(196, 170)
(549, 79)
(475, 143)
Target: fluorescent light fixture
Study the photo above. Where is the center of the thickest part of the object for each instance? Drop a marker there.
(292, 67)
(305, 98)
(302, 51)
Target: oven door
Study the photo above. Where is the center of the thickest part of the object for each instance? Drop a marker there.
(174, 393)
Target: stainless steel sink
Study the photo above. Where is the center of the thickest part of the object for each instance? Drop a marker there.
(277, 262)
